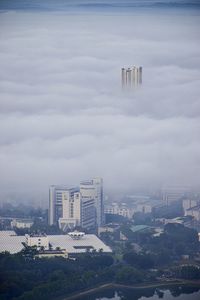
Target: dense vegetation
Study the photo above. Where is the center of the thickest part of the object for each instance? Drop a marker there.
(23, 278)
(176, 240)
(26, 279)
(187, 272)
(134, 260)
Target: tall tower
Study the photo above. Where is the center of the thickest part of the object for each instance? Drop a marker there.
(55, 203)
(93, 189)
(77, 211)
(123, 74)
(140, 75)
(131, 77)
(71, 209)
(82, 205)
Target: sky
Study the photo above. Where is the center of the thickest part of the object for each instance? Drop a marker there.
(63, 114)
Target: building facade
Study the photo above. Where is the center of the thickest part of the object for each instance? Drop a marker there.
(56, 203)
(38, 240)
(121, 210)
(81, 206)
(21, 223)
(93, 189)
(71, 209)
(174, 193)
(191, 208)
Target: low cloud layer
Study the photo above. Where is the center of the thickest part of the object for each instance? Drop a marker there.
(64, 116)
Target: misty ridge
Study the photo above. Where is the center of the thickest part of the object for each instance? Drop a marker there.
(63, 114)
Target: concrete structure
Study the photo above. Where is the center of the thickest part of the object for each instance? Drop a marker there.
(81, 206)
(71, 209)
(110, 228)
(144, 207)
(122, 209)
(56, 202)
(194, 212)
(174, 193)
(191, 208)
(21, 223)
(189, 203)
(119, 209)
(141, 228)
(76, 235)
(93, 189)
(52, 253)
(131, 77)
(89, 242)
(77, 211)
(38, 240)
(88, 213)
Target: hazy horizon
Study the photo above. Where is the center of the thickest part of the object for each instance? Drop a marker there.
(63, 115)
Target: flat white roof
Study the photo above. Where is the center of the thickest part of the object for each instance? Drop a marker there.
(13, 244)
(10, 242)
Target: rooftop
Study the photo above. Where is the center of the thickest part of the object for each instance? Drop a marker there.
(137, 228)
(13, 243)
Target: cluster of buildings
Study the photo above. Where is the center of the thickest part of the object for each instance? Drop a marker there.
(77, 206)
(171, 194)
(138, 206)
(83, 206)
(21, 223)
(131, 77)
(118, 209)
(191, 208)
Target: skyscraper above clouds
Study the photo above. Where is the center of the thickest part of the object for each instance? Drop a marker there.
(131, 77)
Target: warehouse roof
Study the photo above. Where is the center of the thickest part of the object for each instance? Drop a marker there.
(12, 243)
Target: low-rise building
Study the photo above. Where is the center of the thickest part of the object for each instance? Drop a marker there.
(119, 209)
(73, 246)
(189, 203)
(141, 228)
(52, 253)
(171, 194)
(144, 207)
(108, 228)
(21, 223)
(194, 212)
(164, 221)
(38, 240)
(147, 206)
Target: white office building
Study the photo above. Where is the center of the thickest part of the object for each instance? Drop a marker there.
(77, 211)
(93, 189)
(81, 206)
(71, 209)
(56, 202)
(119, 209)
